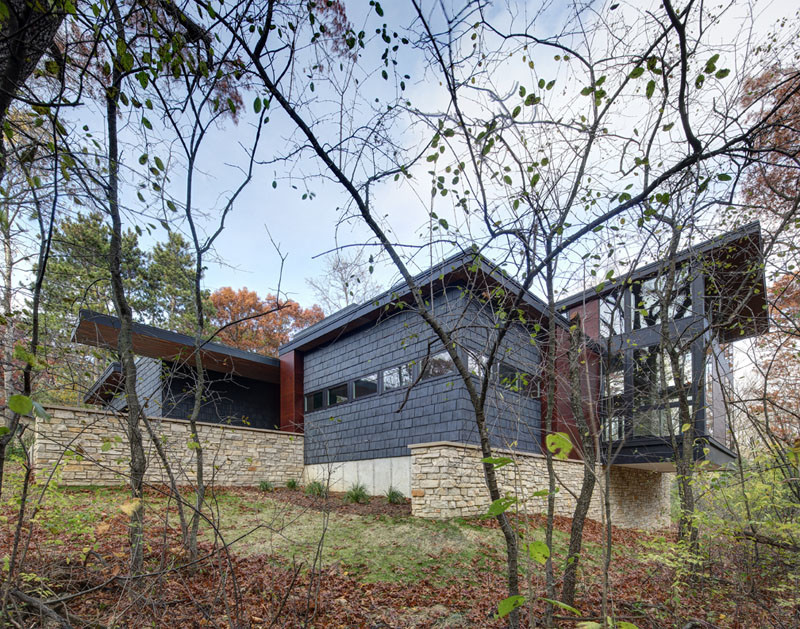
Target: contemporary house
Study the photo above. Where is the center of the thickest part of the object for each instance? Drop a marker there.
(241, 387)
(377, 399)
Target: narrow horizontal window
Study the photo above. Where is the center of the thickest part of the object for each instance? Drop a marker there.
(438, 365)
(337, 394)
(397, 377)
(314, 401)
(364, 386)
(519, 381)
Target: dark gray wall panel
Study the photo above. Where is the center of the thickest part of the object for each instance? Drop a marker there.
(229, 399)
(438, 409)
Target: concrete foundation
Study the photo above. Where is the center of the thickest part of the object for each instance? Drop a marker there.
(377, 475)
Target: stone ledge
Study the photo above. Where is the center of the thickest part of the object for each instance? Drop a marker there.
(172, 420)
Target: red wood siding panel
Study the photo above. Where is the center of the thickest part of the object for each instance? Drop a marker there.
(292, 392)
(563, 418)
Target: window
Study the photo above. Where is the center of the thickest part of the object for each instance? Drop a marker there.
(514, 379)
(476, 364)
(655, 394)
(613, 399)
(647, 295)
(314, 401)
(438, 365)
(398, 377)
(337, 394)
(364, 386)
(612, 315)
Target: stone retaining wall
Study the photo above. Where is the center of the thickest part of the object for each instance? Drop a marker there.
(97, 451)
(447, 481)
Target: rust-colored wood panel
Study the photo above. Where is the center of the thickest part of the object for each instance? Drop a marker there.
(291, 412)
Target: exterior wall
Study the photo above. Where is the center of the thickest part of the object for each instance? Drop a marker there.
(447, 481)
(148, 386)
(234, 455)
(436, 409)
(377, 475)
(229, 399)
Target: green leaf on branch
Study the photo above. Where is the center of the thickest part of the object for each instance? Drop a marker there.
(558, 444)
(651, 88)
(20, 404)
(568, 608)
(508, 605)
(38, 411)
(724, 177)
(711, 64)
(636, 72)
(501, 505)
(539, 552)
(497, 461)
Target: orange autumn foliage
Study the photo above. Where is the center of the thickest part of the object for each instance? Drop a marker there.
(256, 324)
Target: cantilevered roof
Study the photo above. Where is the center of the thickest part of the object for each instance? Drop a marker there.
(733, 264)
(459, 268)
(106, 386)
(99, 330)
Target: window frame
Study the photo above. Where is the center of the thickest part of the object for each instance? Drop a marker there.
(355, 397)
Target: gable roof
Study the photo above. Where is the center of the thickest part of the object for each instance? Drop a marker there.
(459, 268)
(100, 330)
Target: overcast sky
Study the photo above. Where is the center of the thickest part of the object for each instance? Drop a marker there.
(305, 229)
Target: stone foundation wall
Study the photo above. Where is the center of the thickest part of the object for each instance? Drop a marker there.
(447, 481)
(92, 449)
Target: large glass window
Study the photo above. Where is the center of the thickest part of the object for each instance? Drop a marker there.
(366, 385)
(438, 365)
(612, 315)
(614, 398)
(647, 298)
(476, 364)
(656, 397)
(337, 394)
(398, 377)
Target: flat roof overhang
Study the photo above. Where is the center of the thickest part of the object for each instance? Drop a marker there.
(99, 330)
(736, 294)
(106, 387)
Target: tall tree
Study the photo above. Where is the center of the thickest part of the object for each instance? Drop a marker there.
(169, 276)
(241, 316)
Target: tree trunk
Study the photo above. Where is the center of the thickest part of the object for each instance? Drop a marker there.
(138, 462)
(198, 451)
(589, 460)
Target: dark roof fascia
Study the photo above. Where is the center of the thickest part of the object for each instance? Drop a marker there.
(750, 229)
(173, 337)
(305, 339)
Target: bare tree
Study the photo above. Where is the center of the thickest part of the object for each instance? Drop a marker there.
(346, 279)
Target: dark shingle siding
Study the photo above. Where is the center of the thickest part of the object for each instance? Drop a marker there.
(436, 410)
(148, 388)
(229, 399)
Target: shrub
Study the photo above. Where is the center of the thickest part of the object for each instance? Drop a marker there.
(395, 496)
(265, 485)
(316, 489)
(357, 494)
(292, 484)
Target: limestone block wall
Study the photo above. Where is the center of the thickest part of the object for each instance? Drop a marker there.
(91, 448)
(447, 481)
